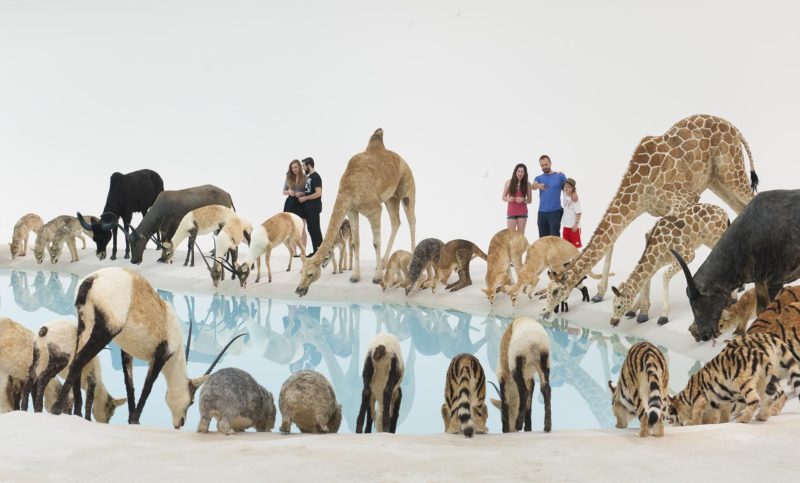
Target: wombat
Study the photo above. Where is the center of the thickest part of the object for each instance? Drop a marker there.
(307, 400)
(237, 402)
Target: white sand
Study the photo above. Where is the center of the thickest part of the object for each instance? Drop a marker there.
(43, 447)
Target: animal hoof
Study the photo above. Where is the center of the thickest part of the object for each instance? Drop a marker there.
(114, 257)
(662, 320)
(630, 314)
(614, 322)
(354, 278)
(597, 298)
(642, 318)
(376, 280)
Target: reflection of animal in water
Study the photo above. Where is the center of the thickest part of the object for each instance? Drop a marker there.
(22, 292)
(279, 347)
(47, 293)
(389, 318)
(494, 332)
(456, 340)
(423, 329)
(340, 341)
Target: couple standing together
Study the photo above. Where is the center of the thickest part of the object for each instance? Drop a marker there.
(303, 190)
(558, 202)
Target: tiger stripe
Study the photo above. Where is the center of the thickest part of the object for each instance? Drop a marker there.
(642, 389)
(464, 395)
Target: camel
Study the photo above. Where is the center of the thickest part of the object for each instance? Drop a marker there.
(666, 174)
(372, 178)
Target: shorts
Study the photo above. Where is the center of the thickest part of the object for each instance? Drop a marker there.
(573, 237)
(517, 217)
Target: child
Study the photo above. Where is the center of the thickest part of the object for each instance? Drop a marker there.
(571, 221)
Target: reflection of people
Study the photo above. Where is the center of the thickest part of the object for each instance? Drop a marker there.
(293, 188)
(549, 184)
(517, 193)
(572, 213)
(312, 203)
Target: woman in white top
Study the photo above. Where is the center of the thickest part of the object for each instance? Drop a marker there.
(571, 220)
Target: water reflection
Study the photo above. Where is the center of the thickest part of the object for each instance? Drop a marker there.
(284, 337)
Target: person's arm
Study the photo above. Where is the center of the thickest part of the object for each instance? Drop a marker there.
(577, 205)
(505, 196)
(529, 198)
(286, 190)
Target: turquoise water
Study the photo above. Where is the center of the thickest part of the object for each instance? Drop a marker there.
(287, 336)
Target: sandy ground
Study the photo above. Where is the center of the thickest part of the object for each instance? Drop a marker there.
(70, 449)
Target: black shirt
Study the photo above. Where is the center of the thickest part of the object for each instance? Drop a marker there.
(313, 181)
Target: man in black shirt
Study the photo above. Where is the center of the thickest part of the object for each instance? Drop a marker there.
(312, 203)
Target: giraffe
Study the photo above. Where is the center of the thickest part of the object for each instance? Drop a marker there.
(376, 176)
(665, 174)
(684, 232)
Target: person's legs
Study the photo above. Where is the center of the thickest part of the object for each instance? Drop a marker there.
(511, 224)
(554, 223)
(521, 222)
(314, 230)
(544, 227)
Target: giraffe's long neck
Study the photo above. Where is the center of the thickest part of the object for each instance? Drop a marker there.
(624, 208)
(340, 209)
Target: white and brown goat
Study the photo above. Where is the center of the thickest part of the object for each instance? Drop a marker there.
(53, 350)
(524, 352)
(45, 236)
(16, 353)
(235, 231)
(284, 228)
(382, 375)
(202, 221)
(120, 305)
(344, 243)
(30, 222)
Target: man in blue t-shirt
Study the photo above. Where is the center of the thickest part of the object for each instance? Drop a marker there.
(549, 185)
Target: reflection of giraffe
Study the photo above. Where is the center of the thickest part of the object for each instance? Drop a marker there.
(684, 232)
(665, 174)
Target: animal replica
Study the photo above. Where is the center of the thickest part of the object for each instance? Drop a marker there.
(396, 273)
(168, 210)
(549, 252)
(684, 231)
(284, 228)
(505, 249)
(780, 356)
(10, 393)
(236, 401)
(30, 222)
(382, 375)
(456, 254)
(130, 193)
(642, 389)
(344, 242)
(737, 315)
(736, 377)
(235, 231)
(762, 246)
(464, 409)
(16, 353)
(200, 221)
(782, 318)
(524, 351)
(376, 176)
(66, 234)
(665, 174)
(307, 400)
(120, 305)
(45, 236)
(426, 257)
(53, 350)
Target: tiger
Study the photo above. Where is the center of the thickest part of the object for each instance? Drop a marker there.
(464, 409)
(780, 356)
(642, 389)
(733, 383)
(782, 318)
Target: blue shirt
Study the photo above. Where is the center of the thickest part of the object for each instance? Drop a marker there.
(550, 198)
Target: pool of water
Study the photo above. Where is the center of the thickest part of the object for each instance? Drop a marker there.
(288, 336)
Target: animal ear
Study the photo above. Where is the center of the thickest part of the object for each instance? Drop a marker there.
(551, 275)
(119, 401)
(496, 403)
(194, 384)
(617, 293)
(611, 386)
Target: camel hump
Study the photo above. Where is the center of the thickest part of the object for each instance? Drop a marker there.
(376, 140)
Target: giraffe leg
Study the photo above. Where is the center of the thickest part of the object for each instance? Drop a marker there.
(688, 256)
(603, 285)
(644, 303)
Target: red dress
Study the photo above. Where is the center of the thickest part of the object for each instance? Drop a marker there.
(517, 209)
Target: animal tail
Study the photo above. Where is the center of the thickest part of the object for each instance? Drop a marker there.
(753, 175)
(654, 397)
(465, 376)
(378, 353)
(477, 252)
(43, 331)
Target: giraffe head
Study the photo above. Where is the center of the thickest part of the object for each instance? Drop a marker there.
(557, 290)
(623, 300)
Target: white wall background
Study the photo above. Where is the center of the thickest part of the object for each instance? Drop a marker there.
(229, 92)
